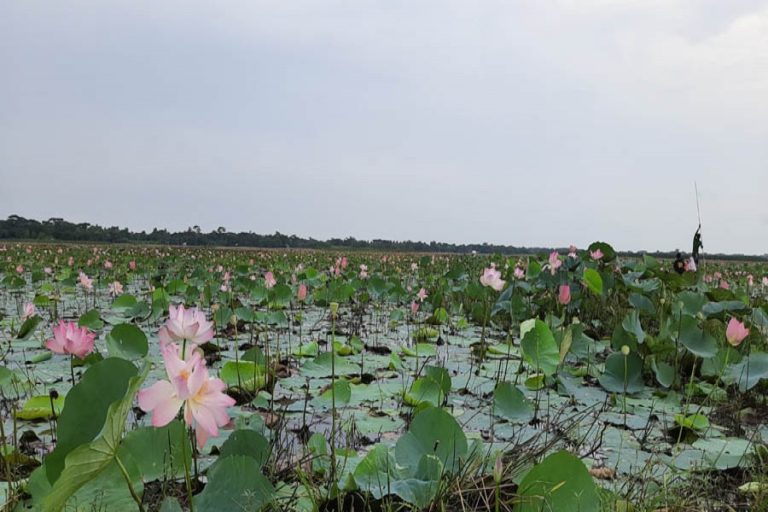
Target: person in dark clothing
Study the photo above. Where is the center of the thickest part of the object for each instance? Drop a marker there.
(697, 245)
(679, 264)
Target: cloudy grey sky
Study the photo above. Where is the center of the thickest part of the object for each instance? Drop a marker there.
(522, 122)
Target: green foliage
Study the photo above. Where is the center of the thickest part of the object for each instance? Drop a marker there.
(235, 483)
(510, 403)
(85, 409)
(87, 461)
(559, 482)
(127, 341)
(540, 349)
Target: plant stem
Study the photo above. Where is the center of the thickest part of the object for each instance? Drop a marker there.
(128, 481)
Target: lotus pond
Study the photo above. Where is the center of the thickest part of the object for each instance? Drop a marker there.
(156, 378)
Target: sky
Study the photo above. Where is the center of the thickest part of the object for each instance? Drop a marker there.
(537, 123)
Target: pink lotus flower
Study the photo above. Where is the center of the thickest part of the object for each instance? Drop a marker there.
(363, 271)
(344, 262)
(518, 273)
(422, 294)
(20, 269)
(108, 265)
(29, 311)
(554, 262)
(48, 270)
(85, 281)
(765, 281)
(68, 338)
(132, 265)
(750, 280)
(414, 307)
(596, 255)
(735, 332)
(185, 324)
(70, 261)
(189, 385)
(492, 277)
(301, 293)
(115, 288)
(572, 252)
(724, 284)
(414, 267)
(564, 297)
(269, 280)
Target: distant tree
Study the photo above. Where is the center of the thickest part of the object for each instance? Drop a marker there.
(16, 227)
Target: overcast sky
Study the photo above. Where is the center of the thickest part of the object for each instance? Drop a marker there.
(519, 122)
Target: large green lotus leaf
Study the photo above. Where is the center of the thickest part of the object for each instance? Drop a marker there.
(127, 341)
(420, 350)
(642, 303)
(246, 442)
(235, 483)
(510, 403)
(91, 460)
(281, 294)
(124, 304)
(695, 339)
(245, 374)
(665, 373)
(593, 281)
(689, 302)
(91, 320)
(28, 327)
(321, 366)
(342, 392)
(559, 482)
(433, 431)
(422, 488)
(750, 370)
(623, 373)
(108, 490)
(159, 452)
(632, 325)
(85, 408)
(379, 474)
(424, 390)
(759, 318)
(376, 472)
(12, 383)
(310, 349)
(441, 376)
(725, 453)
(715, 308)
(540, 349)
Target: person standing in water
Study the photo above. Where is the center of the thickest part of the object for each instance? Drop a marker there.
(697, 244)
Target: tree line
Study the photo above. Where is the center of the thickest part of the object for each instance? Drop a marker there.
(16, 227)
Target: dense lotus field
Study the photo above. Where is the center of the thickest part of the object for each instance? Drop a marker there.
(155, 378)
